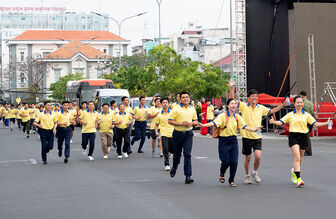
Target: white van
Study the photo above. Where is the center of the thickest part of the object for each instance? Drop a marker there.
(107, 95)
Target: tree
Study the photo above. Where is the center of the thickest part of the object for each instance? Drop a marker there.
(58, 88)
(127, 62)
(167, 72)
(33, 70)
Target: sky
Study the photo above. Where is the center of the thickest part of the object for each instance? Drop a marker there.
(175, 14)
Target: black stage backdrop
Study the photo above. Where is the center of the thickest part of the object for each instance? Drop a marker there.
(267, 46)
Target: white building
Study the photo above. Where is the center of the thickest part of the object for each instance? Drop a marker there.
(204, 45)
(65, 51)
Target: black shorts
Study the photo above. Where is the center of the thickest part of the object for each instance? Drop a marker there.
(248, 144)
(12, 120)
(72, 127)
(153, 134)
(300, 139)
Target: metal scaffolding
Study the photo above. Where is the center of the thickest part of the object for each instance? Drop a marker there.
(240, 62)
(311, 59)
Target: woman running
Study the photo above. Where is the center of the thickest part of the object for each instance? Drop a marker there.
(228, 123)
(298, 139)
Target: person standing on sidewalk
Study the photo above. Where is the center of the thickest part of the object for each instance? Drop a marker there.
(165, 130)
(106, 129)
(64, 120)
(47, 123)
(140, 116)
(252, 113)
(183, 117)
(210, 114)
(89, 120)
(122, 121)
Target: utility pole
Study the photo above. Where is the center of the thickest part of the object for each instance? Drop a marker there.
(159, 5)
(119, 27)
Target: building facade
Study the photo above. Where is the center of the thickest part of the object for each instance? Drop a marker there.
(64, 51)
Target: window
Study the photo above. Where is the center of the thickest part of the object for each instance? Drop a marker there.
(22, 77)
(22, 56)
(45, 54)
(99, 72)
(57, 74)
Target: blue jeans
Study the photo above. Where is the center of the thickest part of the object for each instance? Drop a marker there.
(64, 134)
(183, 140)
(228, 154)
(47, 140)
(85, 140)
(139, 133)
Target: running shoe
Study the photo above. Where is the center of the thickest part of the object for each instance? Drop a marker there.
(167, 168)
(161, 154)
(119, 156)
(90, 158)
(71, 142)
(125, 155)
(105, 156)
(299, 182)
(294, 178)
(83, 152)
(248, 179)
(256, 177)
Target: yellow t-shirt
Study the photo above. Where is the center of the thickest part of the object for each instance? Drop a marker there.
(152, 111)
(298, 122)
(106, 122)
(165, 128)
(180, 114)
(63, 117)
(124, 118)
(252, 118)
(47, 120)
(113, 111)
(25, 115)
(90, 119)
(231, 128)
(73, 113)
(210, 113)
(128, 110)
(11, 113)
(5, 113)
(173, 105)
(32, 113)
(18, 112)
(81, 111)
(141, 113)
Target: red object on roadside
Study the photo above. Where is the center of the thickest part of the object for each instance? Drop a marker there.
(204, 130)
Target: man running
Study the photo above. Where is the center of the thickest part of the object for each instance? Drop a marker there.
(89, 120)
(183, 117)
(140, 116)
(47, 123)
(152, 114)
(106, 132)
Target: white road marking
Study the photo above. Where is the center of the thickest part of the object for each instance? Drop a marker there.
(201, 157)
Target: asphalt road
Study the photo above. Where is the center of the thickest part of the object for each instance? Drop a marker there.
(138, 187)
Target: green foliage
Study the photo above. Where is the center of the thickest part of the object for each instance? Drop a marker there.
(167, 72)
(59, 88)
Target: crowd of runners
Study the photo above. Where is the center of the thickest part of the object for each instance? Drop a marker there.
(171, 128)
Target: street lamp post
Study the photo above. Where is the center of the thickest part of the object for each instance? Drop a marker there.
(231, 61)
(119, 27)
(159, 4)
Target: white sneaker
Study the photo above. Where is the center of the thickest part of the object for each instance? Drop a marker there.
(161, 154)
(256, 177)
(125, 155)
(90, 158)
(119, 156)
(71, 142)
(167, 168)
(83, 152)
(108, 149)
(248, 179)
(105, 156)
